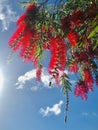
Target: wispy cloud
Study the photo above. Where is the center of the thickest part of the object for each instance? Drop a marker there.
(94, 114)
(24, 78)
(30, 75)
(85, 113)
(34, 88)
(7, 15)
(90, 114)
(55, 109)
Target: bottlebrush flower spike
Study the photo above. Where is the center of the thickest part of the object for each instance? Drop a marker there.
(38, 73)
(58, 54)
(16, 39)
(28, 46)
(57, 58)
(62, 54)
(73, 67)
(88, 79)
(81, 90)
(21, 19)
(25, 35)
(73, 38)
(31, 8)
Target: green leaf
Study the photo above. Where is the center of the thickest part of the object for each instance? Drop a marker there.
(96, 45)
(93, 32)
(66, 85)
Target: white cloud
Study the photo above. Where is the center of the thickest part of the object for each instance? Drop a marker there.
(26, 77)
(45, 77)
(90, 114)
(94, 114)
(34, 88)
(85, 113)
(7, 15)
(55, 109)
(30, 75)
(20, 87)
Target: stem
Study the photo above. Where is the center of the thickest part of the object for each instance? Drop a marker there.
(66, 107)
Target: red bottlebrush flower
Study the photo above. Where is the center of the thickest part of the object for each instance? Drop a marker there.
(38, 73)
(21, 19)
(25, 35)
(57, 79)
(58, 54)
(88, 79)
(57, 58)
(53, 62)
(73, 67)
(31, 10)
(14, 41)
(54, 54)
(62, 55)
(73, 38)
(81, 90)
(32, 7)
(28, 46)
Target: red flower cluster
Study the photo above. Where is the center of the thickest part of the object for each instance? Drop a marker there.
(33, 36)
(88, 79)
(84, 86)
(25, 35)
(73, 20)
(81, 57)
(58, 57)
(81, 90)
(58, 54)
(69, 23)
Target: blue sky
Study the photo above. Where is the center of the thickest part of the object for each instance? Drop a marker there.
(28, 105)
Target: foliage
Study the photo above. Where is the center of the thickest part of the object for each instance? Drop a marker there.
(69, 30)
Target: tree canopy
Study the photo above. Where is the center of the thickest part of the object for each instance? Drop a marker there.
(69, 31)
